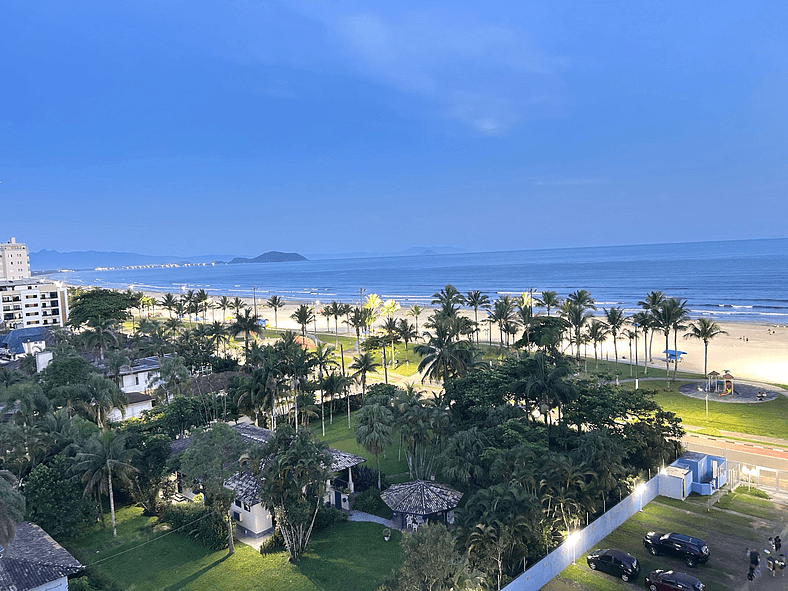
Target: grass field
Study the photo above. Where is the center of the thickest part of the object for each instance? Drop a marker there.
(340, 437)
(344, 556)
(736, 522)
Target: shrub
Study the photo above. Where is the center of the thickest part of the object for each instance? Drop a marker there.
(198, 522)
(327, 516)
(369, 501)
(93, 579)
(274, 544)
(364, 478)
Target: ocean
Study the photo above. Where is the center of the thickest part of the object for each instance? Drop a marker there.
(741, 280)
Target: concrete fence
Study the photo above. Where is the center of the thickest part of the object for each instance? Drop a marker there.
(584, 539)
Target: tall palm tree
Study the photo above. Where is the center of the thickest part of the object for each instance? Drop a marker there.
(223, 304)
(101, 334)
(669, 314)
(416, 311)
(336, 310)
(358, 321)
(650, 305)
(101, 456)
(326, 313)
(168, 303)
(275, 303)
(202, 302)
(444, 355)
(502, 313)
(615, 323)
(392, 334)
(681, 316)
(363, 365)
(323, 358)
(303, 315)
(449, 301)
(476, 300)
(247, 324)
(374, 428)
(644, 321)
(549, 300)
(704, 329)
(407, 332)
(237, 305)
(597, 331)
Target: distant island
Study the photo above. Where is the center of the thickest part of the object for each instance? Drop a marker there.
(271, 257)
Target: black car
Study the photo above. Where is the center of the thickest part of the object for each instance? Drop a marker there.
(667, 580)
(692, 551)
(619, 564)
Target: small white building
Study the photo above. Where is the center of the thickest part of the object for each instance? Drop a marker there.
(249, 514)
(33, 561)
(140, 376)
(138, 403)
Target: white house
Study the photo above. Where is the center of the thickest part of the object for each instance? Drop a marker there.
(249, 514)
(33, 561)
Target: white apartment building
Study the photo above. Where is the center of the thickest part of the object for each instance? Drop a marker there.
(14, 261)
(28, 302)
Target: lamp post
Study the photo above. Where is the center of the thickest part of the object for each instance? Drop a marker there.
(639, 490)
(572, 540)
(635, 325)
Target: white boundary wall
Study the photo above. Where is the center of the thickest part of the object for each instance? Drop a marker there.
(551, 565)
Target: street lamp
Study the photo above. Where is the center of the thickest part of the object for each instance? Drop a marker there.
(635, 326)
(572, 540)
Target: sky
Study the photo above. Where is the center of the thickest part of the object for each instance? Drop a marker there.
(329, 126)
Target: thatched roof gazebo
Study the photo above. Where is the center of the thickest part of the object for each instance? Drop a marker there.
(419, 501)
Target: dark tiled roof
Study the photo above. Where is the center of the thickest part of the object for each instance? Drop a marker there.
(33, 559)
(245, 486)
(13, 341)
(341, 460)
(135, 397)
(420, 497)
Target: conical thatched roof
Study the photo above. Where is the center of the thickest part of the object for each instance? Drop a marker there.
(420, 497)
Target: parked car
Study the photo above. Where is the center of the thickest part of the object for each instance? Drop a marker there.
(692, 551)
(619, 564)
(667, 580)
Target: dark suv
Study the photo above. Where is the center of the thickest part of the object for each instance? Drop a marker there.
(619, 564)
(692, 551)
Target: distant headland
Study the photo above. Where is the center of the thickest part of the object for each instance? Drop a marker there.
(273, 256)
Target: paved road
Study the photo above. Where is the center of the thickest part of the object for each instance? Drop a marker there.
(756, 454)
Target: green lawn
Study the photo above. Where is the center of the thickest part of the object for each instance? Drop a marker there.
(727, 534)
(143, 558)
(340, 437)
(768, 419)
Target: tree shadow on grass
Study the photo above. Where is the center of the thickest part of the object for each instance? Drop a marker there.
(194, 576)
(322, 573)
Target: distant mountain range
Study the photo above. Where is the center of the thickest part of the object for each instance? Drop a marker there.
(52, 260)
(273, 256)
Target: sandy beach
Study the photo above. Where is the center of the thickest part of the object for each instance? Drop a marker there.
(755, 352)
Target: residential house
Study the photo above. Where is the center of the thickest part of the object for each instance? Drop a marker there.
(33, 561)
(249, 514)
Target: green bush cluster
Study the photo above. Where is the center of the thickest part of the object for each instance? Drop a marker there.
(369, 501)
(198, 522)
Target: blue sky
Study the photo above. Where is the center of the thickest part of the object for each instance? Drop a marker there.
(325, 126)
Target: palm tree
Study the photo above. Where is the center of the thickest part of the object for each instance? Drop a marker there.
(101, 334)
(407, 332)
(336, 310)
(334, 384)
(444, 355)
(705, 330)
(168, 303)
(102, 455)
(303, 315)
(651, 305)
(546, 384)
(237, 305)
(449, 301)
(645, 322)
(392, 334)
(323, 358)
(502, 313)
(615, 323)
(275, 303)
(416, 311)
(374, 427)
(223, 304)
(364, 364)
(476, 299)
(598, 332)
(248, 325)
(549, 300)
(666, 316)
(358, 321)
